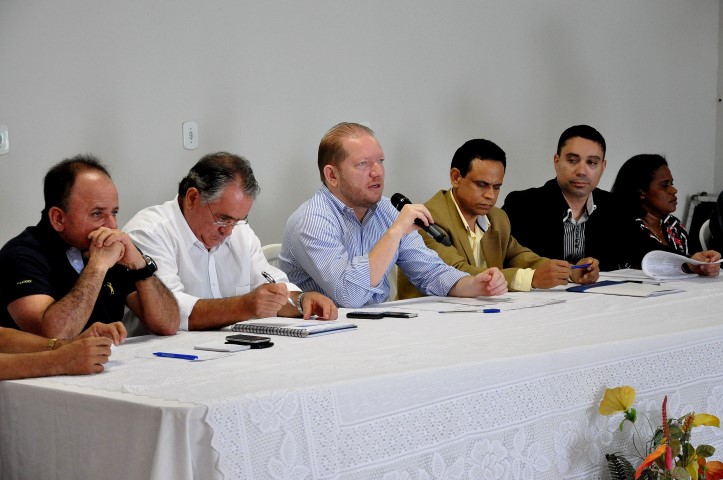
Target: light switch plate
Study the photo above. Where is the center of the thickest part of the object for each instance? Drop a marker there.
(190, 135)
(4, 140)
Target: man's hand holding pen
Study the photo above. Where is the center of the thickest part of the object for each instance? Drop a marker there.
(585, 274)
(267, 299)
(271, 279)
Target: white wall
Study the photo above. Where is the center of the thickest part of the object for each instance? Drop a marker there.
(267, 79)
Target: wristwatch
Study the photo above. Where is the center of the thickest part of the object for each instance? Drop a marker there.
(145, 272)
(299, 306)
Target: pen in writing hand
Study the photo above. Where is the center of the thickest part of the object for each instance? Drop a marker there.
(584, 265)
(182, 356)
(270, 279)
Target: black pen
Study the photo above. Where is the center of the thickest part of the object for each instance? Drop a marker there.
(270, 279)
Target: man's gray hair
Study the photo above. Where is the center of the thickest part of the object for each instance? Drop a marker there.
(213, 172)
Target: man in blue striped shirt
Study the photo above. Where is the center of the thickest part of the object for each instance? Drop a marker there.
(347, 237)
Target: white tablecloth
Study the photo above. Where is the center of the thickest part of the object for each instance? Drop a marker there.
(509, 395)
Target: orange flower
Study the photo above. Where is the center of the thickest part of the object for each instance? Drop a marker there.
(714, 470)
(657, 453)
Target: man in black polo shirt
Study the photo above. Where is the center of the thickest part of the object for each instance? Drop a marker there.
(75, 267)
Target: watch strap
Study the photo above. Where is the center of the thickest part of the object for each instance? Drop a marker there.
(145, 272)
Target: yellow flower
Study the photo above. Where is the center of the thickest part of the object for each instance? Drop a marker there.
(618, 399)
(705, 419)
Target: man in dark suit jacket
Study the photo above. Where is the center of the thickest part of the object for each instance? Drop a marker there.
(716, 225)
(480, 232)
(569, 217)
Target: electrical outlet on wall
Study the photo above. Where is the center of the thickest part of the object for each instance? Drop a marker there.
(190, 135)
(4, 140)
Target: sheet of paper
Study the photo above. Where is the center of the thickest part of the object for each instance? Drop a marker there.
(631, 289)
(507, 302)
(220, 346)
(629, 274)
(666, 265)
(202, 355)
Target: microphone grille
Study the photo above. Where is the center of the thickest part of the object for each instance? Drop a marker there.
(399, 200)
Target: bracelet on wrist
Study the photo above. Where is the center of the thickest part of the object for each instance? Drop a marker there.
(299, 306)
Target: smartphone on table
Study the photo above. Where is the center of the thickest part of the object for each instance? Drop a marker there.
(254, 341)
(375, 315)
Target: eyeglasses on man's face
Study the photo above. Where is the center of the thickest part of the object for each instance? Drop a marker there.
(229, 222)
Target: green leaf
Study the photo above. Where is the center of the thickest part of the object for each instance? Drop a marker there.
(705, 450)
(675, 431)
(688, 450)
(648, 474)
(679, 473)
(620, 468)
(631, 414)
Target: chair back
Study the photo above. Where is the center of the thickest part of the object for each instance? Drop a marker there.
(392, 277)
(271, 252)
(704, 235)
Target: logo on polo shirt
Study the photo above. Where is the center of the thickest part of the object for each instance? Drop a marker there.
(110, 287)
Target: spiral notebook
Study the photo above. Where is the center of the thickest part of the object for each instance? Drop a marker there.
(293, 328)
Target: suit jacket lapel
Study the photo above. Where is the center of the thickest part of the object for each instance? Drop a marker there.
(459, 232)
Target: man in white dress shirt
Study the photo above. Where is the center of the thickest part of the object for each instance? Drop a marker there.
(209, 256)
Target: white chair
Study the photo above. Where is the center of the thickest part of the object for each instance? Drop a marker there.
(392, 277)
(271, 252)
(704, 235)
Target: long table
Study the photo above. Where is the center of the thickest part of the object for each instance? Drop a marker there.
(509, 395)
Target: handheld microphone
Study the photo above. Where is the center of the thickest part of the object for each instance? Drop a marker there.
(399, 200)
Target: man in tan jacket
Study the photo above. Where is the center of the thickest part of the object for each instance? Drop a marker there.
(480, 232)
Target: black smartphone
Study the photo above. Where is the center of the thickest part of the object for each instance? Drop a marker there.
(243, 339)
(400, 314)
(362, 314)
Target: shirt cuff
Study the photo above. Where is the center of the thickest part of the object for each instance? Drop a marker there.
(448, 280)
(522, 281)
(186, 303)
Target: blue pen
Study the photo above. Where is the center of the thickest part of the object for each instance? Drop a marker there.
(182, 356)
(584, 265)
